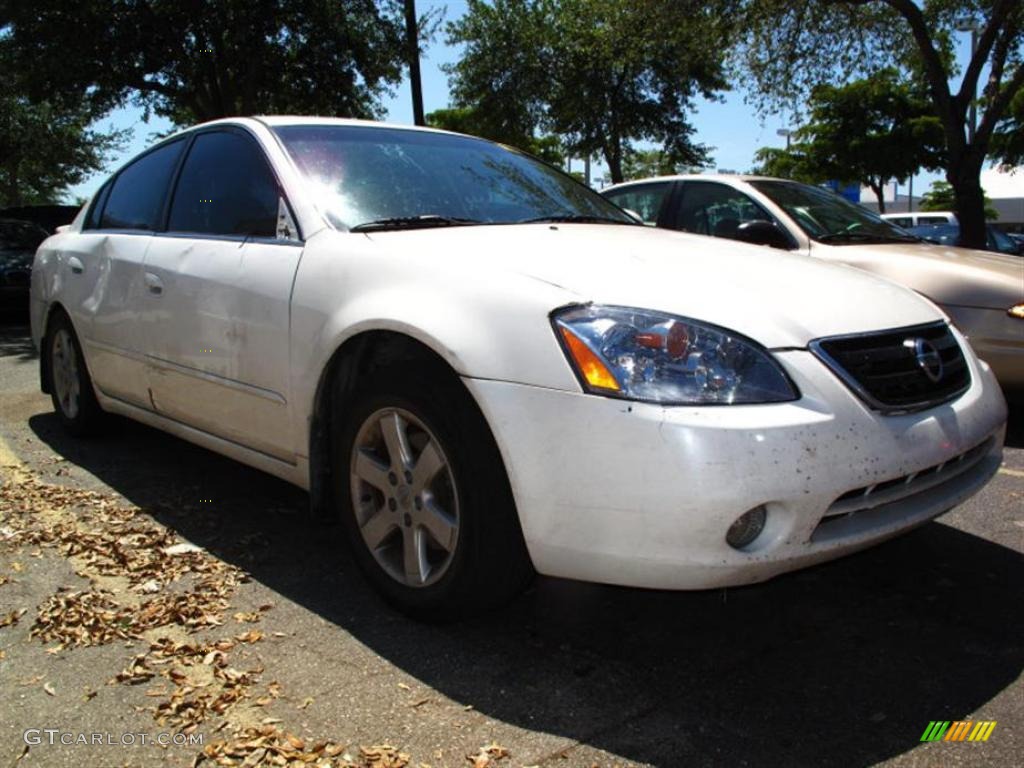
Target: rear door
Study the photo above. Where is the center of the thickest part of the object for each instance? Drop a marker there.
(102, 271)
(217, 289)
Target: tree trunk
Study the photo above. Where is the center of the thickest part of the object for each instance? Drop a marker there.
(879, 190)
(965, 176)
(613, 157)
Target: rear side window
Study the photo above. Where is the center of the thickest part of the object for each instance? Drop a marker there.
(902, 221)
(225, 188)
(137, 198)
(646, 200)
(92, 221)
(932, 220)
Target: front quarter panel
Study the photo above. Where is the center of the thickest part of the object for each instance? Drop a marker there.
(485, 325)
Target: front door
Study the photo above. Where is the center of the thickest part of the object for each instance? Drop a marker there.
(217, 287)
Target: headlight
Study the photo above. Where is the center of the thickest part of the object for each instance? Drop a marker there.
(1017, 311)
(641, 355)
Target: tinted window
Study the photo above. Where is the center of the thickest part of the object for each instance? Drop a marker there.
(92, 221)
(359, 175)
(1001, 242)
(717, 210)
(902, 221)
(225, 188)
(827, 217)
(645, 199)
(932, 220)
(137, 197)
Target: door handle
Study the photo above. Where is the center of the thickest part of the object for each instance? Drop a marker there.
(76, 265)
(154, 284)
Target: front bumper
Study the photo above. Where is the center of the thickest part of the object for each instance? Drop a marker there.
(642, 495)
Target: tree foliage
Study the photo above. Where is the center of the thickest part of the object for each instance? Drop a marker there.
(940, 197)
(471, 121)
(194, 60)
(867, 132)
(791, 46)
(644, 163)
(45, 150)
(602, 74)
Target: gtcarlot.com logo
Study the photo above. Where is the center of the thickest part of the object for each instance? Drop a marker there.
(958, 730)
(34, 737)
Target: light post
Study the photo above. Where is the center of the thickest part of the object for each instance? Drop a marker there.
(972, 120)
(787, 133)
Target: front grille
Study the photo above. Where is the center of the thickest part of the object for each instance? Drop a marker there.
(885, 368)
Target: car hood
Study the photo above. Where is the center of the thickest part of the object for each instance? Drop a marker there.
(945, 274)
(779, 299)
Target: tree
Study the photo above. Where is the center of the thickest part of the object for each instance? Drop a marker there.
(644, 163)
(783, 164)
(195, 60)
(44, 150)
(1008, 139)
(793, 45)
(867, 132)
(940, 197)
(471, 121)
(600, 73)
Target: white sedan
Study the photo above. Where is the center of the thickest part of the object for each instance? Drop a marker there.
(482, 368)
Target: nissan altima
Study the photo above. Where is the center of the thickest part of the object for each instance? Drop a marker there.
(482, 369)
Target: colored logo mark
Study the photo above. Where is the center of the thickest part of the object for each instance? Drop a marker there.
(958, 730)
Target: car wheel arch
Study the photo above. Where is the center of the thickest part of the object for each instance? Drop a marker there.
(52, 311)
(354, 357)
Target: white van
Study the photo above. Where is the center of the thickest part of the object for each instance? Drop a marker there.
(923, 218)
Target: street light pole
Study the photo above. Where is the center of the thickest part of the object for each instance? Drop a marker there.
(412, 40)
(787, 133)
(972, 120)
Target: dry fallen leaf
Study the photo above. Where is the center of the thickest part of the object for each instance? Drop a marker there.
(10, 619)
(49, 689)
(488, 755)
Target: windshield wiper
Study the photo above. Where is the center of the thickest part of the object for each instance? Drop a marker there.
(425, 221)
(863, 237)
(576, 218)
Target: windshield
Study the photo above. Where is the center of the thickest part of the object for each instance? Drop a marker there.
(367, 177)
(826, 217)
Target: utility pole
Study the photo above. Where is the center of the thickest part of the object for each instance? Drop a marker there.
(412, 38)
(969, 25)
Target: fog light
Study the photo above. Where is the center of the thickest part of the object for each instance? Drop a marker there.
(747, 527)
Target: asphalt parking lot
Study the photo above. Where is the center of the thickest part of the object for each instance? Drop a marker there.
(843, 664)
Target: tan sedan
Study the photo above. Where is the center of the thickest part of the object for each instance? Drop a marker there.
(982, 292)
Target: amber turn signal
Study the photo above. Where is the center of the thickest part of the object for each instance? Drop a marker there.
(587, 363)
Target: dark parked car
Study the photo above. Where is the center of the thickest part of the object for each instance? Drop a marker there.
(949, 234)
(18, 243)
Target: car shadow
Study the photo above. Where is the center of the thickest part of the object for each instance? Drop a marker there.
(843, 664)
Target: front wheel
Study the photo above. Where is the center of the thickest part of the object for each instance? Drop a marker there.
(424, 497)
(70, 386)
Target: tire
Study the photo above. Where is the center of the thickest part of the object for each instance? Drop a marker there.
(445, 535)
(74, 399)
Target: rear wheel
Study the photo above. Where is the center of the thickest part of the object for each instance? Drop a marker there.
(70, 386)
(424, 497)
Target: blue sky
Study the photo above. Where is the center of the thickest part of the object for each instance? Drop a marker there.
(731, 127)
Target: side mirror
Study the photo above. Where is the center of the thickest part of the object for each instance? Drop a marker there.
(761, 232)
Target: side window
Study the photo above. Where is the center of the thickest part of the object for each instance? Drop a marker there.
(136, 199)
(709, 208)
(225, 188)
(1001, 242)
(902, 221)
(932, 220)
(92, 221)
(644, 199)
